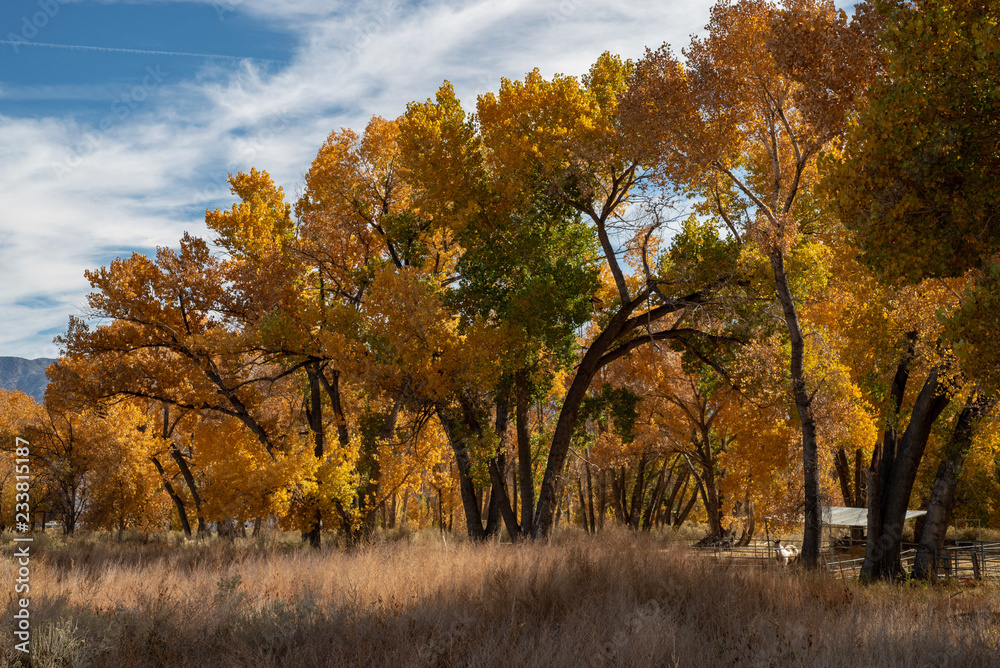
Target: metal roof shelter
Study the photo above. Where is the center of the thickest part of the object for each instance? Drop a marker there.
(839, 516)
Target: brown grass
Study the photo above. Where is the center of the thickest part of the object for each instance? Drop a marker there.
(615, 600)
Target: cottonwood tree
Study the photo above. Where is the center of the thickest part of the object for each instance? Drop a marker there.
(122, 489)
(748, 112)
(188, 329)
(528, 272)
(976, 409)
(569, 134)
(97, 462)
(917, 180)
(888, 344)
(372, 258)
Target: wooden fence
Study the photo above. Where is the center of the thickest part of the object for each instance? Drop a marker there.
(966, 560)
(756, 553)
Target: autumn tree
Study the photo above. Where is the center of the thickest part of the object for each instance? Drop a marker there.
(18, 413)
(122, 483)
(365, 248)
(679, 420)
(917, 180)
(96, 461)
(189, 330)
(527, 274)
(569, 134)
(163, 340)
(680, 407)
(747, 113)
(942, 496)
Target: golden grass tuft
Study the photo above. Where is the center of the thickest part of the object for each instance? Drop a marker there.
(617, 599)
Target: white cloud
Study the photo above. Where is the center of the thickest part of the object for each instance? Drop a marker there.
(76, 195)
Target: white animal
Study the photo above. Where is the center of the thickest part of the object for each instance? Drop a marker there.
(786, 553)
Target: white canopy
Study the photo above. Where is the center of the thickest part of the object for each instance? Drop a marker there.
(839, 516)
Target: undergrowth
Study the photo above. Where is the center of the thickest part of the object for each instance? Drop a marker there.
(614, 600)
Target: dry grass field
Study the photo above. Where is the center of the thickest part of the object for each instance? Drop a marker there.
(616, 600)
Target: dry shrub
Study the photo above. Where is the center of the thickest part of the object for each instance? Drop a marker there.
(614, 600)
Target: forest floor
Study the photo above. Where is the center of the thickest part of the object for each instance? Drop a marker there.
(614, 600)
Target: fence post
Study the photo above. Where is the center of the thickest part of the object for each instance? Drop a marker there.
(975, 563)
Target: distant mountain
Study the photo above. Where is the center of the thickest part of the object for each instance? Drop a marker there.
(17, 373)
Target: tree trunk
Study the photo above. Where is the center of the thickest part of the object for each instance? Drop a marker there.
(683, 514)
(565, 426)
(314, 407)
(185, 470)
(70, 511)
(618, 494)
(750, 525)
(583, 504)
(332, 388)
(602, 497)
(851, 487)
(314, 413)
(943, 492)
(683, 476)
(500, 506)
(886, 452)
(470, 502)
(706, 487)
(803, 403)
(499, 500)
(713, 504)
(891, 481)
(369, 497)
(522, 397)
(590, 496)
(178, 502)
(513, 491)
(638, 491)
(844, 477)
(860, 490)
(503, 501)
(192, 486)
(860, 493)
(656, 499)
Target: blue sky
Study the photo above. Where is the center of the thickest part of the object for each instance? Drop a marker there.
(120, 147)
